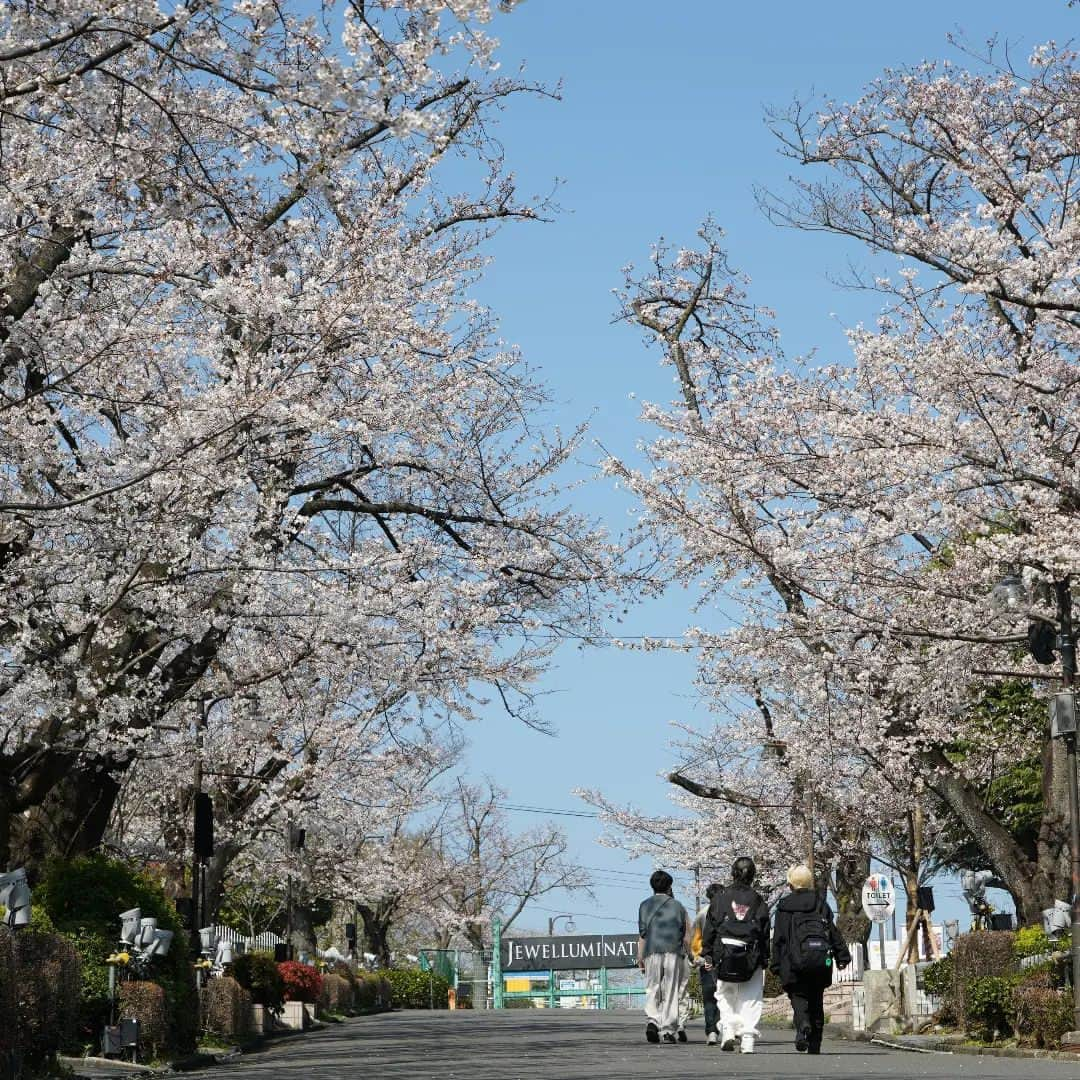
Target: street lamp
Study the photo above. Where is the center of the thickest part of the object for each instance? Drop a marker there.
(1011, 594)
(570, 927)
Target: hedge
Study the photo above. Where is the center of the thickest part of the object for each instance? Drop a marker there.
(257, 973)
(414, 989)
(226, 1007)
(984, 954)
(145, 1002)
(82, 898)
(39, 996)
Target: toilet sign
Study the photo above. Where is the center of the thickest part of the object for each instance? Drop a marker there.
(878, 898)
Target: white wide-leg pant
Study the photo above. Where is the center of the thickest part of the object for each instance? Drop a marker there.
(665, 978)
(739, 1004)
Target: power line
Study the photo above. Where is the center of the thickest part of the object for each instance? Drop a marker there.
(547, 810)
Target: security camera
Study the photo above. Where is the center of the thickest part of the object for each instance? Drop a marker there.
(129, 925)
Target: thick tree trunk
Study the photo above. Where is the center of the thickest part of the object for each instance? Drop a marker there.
(376, 933)
(71, 820)
(850, 873)
(1031, 887)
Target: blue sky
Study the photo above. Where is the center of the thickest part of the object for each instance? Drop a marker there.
(661, 123)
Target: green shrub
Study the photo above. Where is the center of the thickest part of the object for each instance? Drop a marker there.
(414, 989)
(988, 1006)
(982, 954)
(83, 899)
(1031, 941)
(1041, 1014)
(939, 980)
(257, 973)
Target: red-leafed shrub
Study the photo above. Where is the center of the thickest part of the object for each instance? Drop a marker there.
(302, 983)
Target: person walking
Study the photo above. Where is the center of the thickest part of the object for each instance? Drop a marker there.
(663, 942)
(706, 975)
(806, 943)
(735, 943)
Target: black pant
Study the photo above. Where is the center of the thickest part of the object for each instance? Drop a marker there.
(806, 1000)
(708, 998)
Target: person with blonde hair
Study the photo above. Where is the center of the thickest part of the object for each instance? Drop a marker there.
(806, 942)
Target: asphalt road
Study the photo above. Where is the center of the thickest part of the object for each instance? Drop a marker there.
(565, 1045)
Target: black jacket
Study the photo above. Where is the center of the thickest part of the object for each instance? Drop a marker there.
(804, 900)
(757, 913)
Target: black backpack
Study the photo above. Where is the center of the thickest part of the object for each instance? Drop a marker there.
(810, 942)
(736, 949)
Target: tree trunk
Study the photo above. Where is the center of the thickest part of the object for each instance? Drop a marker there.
(850, 874)
(1028, 882)
(71, 820)
(376, 933)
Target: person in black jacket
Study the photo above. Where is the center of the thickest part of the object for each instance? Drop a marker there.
(735, 945)
(806, 943)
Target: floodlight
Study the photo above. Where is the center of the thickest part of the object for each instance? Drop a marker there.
(332, 954)
(951, 928)
(370, 957)
(408, 956)
(208, 940)
(973, 883)
(1009, 594)
(571, 926)
(15, 896)
(1058, 919)
(224, 954)
(147, 929)
(158, 945)
(129, 923)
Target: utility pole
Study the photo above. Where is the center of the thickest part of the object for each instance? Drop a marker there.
(197, 875)
(1067, 647)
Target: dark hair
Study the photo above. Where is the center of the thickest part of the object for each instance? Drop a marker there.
(743, 871)
(712, 890)
(661, 881)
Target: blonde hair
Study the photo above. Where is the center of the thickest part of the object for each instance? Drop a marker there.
(800, 877)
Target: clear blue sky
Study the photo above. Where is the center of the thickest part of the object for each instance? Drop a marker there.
(661, 122)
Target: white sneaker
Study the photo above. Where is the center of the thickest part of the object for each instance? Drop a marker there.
(711, 1040)
(747, 1046)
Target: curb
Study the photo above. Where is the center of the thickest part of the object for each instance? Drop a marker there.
(928, 1044)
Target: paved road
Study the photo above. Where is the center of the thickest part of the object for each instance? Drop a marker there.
(539, 1045)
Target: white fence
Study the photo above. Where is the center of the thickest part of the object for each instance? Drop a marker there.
(853, 973)
(264, 942)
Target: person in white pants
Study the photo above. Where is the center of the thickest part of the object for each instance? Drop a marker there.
(735, 943)
(663, 937)
(739, 1007)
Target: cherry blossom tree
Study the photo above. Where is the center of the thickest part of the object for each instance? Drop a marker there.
(860, 513)
(253, 423)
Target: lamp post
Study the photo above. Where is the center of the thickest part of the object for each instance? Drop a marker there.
(555, 918)
(1012, 594)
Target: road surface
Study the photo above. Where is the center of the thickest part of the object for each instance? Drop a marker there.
(570, 1045)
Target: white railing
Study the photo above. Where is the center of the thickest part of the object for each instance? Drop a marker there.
(853, 973)
(263, 942)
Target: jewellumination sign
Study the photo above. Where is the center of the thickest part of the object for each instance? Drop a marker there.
(567, 953)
